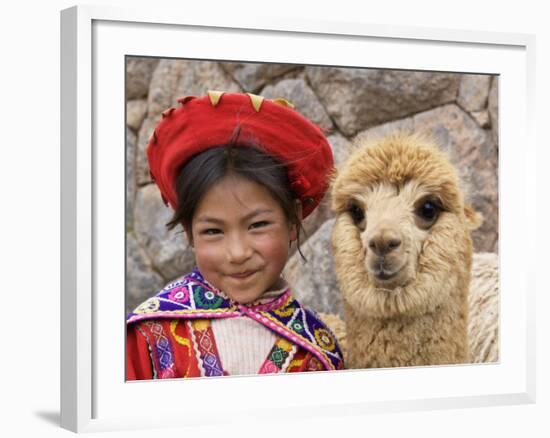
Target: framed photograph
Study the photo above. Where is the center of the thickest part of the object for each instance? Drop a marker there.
(471, 91)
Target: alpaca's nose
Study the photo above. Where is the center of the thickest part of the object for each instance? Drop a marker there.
(384, 242)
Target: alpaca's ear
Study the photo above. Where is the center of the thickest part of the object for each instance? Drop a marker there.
(473, 218)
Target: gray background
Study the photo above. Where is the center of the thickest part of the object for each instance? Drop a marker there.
(459, 110)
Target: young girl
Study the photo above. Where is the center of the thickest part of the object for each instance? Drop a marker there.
(240, 173)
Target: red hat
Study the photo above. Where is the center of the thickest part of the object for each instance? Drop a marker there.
(204, 122)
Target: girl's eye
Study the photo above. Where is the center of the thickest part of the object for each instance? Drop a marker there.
(357, 214)
(259, 224)
(211, 231)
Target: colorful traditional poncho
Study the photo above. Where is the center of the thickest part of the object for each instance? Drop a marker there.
(170, 335)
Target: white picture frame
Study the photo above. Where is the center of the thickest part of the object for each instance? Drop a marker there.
(94, 40)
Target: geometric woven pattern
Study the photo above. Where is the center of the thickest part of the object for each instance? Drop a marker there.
(279, 357)
(163, 351)
(192, 297)
(203, 338)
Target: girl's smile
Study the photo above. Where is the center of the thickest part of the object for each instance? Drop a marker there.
(241, 237)
(243, 275)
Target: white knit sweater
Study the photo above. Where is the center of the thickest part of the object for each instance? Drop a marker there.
(243, 344)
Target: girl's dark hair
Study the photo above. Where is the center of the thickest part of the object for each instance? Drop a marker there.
(206, 169)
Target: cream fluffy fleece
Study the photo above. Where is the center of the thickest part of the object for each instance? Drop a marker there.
(484, 302)
(483, 334)
(421, 316)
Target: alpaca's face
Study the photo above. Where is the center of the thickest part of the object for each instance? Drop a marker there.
(393, 224)
(401, 237)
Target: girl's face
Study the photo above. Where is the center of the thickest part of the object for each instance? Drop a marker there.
(241, 238)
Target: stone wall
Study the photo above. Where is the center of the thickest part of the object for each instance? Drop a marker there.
(459, 110)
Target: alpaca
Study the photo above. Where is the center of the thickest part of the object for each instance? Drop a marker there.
(482, 312)
(484, 302)
(403, 254)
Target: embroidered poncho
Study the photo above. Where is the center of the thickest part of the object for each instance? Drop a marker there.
(170, 335)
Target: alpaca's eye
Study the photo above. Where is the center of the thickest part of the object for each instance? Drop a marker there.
(428, 210)
(357, 214)
(427, 213)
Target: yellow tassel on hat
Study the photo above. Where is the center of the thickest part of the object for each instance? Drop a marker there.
(215, 96)
(283, 101)
(256, 101)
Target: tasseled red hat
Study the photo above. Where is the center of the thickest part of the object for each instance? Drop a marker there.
(212, 120)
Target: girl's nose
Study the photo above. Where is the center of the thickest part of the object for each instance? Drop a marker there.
(238, 251)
